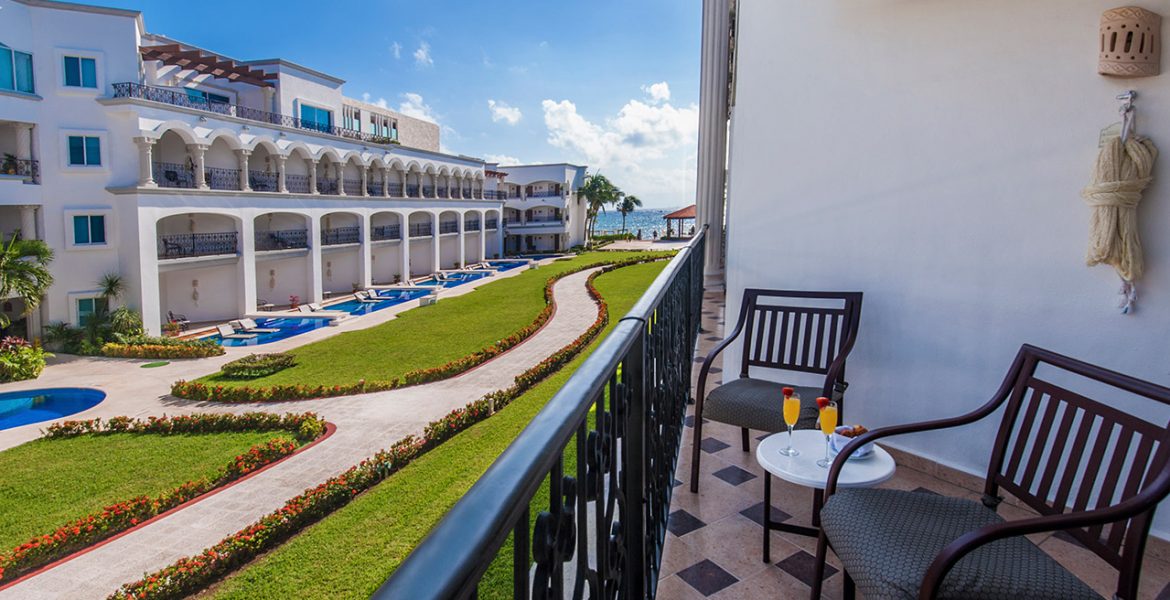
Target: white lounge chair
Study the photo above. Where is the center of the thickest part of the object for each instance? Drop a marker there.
(250, 326)
(314, 307)
(305, 308)
(364, 297)
(228, 333)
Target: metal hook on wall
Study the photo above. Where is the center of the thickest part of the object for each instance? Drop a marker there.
(1126, 109)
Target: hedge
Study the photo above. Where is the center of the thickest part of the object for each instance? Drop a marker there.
(257, 365)
(191, 349)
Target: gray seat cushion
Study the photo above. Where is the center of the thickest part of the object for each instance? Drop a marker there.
(757, 404)
(887, 539)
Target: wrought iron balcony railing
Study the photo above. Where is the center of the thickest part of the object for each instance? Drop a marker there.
(29, 169)
(341, 235)
(428, 191)
(262, 181)
(219, 178)
(607, 444)
(180, 97)
(396, 190)
(477, 193)
(327, 185)
(467, 192)
(412, 191)
(493, 224)
(188, 245)
(495, 195)
(471, 225)
(297, 184)
(449, 227)
(353, 187)
(283, 239)
(421, 229)
(443, 193)
(374, 188)
(545, 194)
(173, 175)
(386, 232)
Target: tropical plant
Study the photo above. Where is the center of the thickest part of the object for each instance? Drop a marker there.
(24, 272)
(599, 192)
(627, 205)
(20, 360)
(111, 286)
(126, 322)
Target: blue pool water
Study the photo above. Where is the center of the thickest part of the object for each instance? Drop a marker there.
(454, 279)
(288, 327)
(388, 298)
(35, 406)
(507, 265)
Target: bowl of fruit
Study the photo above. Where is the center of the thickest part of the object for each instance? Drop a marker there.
(845, 434)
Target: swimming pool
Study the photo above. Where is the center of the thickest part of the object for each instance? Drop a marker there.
(387, 298)
(35, 406)
(541, 256)
(288, 327)
(507, 265)
(454, 279)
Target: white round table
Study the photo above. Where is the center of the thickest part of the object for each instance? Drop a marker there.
(802, 470)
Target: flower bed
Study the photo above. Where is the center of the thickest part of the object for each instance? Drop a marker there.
(190, 574)
(257, 365)
(194, 390)
(152, 349)
(306, 426)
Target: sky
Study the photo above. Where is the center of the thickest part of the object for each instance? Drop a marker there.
(610, 84)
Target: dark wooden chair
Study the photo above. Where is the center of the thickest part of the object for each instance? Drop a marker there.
(785, 331)
(1086, 467)
(181, 320)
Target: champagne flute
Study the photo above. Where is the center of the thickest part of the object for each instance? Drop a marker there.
(828, 424)
(791, 414)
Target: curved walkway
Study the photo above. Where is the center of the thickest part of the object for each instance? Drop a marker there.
(365, 424)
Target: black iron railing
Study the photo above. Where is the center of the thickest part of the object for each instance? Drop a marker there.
(421, 229)
(396, 190)
(173, 175)
(284, 239)
(443, 193)
(326, 185)
(428, 191)
(472, 225)
(341, 235)
(297, 184)
(374, 188)
(412, 191)
(262, 181)
(187, 245)
(493, 224)
(353, 187)
(495, 195)
(545, 219)
(449, 227)
(219, 178)
(27, 168)
(466, 192)
(618, 421)
(180, 97)
(545, 194)
(386, 232)
(477, 193)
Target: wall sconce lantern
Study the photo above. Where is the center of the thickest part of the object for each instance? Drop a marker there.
(1130, 43)
(271, 279)
(195, 291)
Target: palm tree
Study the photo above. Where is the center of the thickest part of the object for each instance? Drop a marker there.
(24, 272)
(628, 205)
(600, 192)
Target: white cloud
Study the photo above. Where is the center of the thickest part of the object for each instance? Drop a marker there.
(396, 50)
(413, 105)
(422, 56)
(501, 111)
(501, 159)
(487, 62)
(380, 102)
(645, 149)
(658, 92)
(518, 70)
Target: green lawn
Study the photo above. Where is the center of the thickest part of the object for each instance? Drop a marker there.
(48, 482)
(349, 553)
(426, 336)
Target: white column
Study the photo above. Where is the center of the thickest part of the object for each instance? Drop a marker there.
(366, 252)
(242, 155)
(713, 116)
(28, 222)
(435, 246)
(24, 138)
(312, 163)
(270, 99)
(385, 182)
(247, 264)
(316, 291)
(365, 180)
(145, 161)
(150, 301)
(462, 243)
(281, 185)
(482, 235)
(404, 219)
(339, 175)
(197, 153)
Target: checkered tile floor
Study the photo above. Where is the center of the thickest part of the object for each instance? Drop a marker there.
(714, 540)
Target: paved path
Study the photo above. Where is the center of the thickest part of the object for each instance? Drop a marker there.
(365, 424)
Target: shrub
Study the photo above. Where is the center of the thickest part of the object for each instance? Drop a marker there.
(162, 347)
(257, 365)
(20, 360)
(307, 425)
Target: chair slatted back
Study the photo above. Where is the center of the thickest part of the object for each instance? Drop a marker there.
(797, 337)
(1060, 451)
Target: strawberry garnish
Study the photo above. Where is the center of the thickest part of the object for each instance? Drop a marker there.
(787, 391)
(822, 402)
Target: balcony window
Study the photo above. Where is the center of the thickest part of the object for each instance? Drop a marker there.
(16, 72)
(202, 97)
(88, 307)
(316, 118)
(89, 230)
(85, 151)
(80, 72)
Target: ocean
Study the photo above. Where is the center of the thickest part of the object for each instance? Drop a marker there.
(648, 220)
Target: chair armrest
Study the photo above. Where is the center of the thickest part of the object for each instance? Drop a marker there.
(968, 542)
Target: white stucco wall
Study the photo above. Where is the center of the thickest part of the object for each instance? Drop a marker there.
(931, 155)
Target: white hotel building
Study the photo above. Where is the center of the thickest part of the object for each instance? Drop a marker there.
(212, 184)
